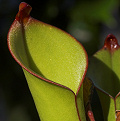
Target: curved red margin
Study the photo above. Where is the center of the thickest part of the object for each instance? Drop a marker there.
(36, 75)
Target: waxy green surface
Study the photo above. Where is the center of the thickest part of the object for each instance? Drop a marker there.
(54, 64)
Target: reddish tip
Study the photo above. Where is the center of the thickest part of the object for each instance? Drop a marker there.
(117, 115)
(91, 116)
(24, 12)
(111, 43)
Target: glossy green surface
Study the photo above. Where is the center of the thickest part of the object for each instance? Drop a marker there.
(53, 103)
(54, 64)
(57, 55)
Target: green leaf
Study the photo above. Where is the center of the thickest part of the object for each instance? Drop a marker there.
(117, 99)
(104, 72)
(54, 64)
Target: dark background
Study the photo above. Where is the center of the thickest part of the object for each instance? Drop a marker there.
(89, 21)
